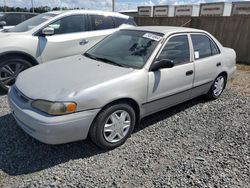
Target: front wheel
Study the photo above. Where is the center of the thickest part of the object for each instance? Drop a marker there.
(113, 126)
(217, 88)
(9, 70)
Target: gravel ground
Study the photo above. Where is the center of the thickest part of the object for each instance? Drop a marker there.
(241, 80)
(196, 144)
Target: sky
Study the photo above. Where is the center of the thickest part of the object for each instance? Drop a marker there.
(102, 4)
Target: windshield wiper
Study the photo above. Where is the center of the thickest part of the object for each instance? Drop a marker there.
(110, 61)
(90, 56)
(103, 60)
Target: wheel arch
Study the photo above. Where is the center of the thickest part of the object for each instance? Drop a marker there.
(24, 55)
(133, 103)
(224, 73)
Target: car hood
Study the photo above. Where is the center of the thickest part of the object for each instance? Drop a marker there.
(9, 34)
(62, 79)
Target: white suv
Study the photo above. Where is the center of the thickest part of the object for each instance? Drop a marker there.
(51, 36)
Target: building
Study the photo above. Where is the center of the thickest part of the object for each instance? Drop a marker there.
(164, 11)
(187, 10)
(145, 11)
(241, 8)
(215, 9)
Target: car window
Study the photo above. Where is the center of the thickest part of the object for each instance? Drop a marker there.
(131, 21)
(13, 19)
(177, 50)
(28, 16)
(215, 49)
(100, 22)
(70, 24)
(120, 21)
(33, 22)
(203, 46)
(23, 17)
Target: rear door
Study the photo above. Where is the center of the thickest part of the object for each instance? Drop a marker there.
(171, 86)
(207, 62)
(100, 27)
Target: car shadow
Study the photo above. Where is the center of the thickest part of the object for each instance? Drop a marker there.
(167, 113)
(21, 154)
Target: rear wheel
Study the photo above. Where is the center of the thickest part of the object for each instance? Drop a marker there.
(9, 70)
(218, 87)
(113, 126)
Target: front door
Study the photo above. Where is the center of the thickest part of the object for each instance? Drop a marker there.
(69, 31)
(167, 87)
(72, 37)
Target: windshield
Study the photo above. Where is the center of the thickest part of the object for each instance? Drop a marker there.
(31, 23)
(126, 48)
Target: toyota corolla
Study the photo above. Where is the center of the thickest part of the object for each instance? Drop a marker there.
(105, 92)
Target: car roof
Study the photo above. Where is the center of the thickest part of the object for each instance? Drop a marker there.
(164, 29)
(66, 12)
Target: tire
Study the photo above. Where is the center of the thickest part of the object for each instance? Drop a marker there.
(217, 88)
(107, 125)
(10, 68)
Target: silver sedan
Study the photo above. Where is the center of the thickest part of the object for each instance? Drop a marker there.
(105, 92)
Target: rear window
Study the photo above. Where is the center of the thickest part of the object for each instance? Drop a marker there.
(215, 49)
(99, 22)
(28, 16)
(203, 46)
(120, 21)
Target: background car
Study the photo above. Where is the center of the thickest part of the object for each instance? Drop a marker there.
(11, 19)
(53, 35)
(127, 76)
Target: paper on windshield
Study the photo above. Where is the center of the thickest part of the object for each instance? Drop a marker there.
(152, 36)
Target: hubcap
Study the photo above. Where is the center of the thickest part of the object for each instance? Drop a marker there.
(9, 73)
(219, 86)
(117, 126)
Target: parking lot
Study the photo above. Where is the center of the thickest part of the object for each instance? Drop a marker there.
(197, 144)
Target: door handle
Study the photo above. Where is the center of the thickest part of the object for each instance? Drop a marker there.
(83, 42)
(189, 73)
(218, 64)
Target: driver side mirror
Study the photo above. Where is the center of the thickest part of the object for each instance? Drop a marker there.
(48, 31)
(2, 23)
(162, 64)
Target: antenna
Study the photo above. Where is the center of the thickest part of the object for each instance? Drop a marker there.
(113, 5)
(32, 4)
(5, 7)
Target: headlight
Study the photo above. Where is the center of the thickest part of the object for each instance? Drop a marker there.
(54, 108)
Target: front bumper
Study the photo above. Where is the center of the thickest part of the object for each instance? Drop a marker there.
(52, 129)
